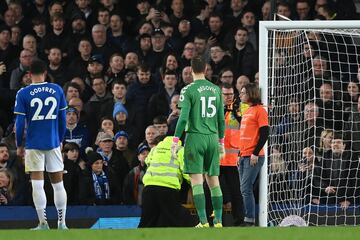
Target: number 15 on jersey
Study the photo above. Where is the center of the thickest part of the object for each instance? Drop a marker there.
(208, 108)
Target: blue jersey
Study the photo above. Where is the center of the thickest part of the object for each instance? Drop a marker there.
(42, 105)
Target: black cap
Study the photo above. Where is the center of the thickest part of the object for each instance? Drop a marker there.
(142, 147)
(93, 157)
(222, 46)
(96, 58)
(157, 31)
(4, 27)
(72, 109)
(144, 35)
(78, 15)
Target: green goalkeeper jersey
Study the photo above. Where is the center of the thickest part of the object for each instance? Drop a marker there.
(202, 109)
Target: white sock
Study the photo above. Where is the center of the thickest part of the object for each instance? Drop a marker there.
(39, 199)
(60, 199)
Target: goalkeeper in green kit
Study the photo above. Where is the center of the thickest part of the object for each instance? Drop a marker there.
(202, 117)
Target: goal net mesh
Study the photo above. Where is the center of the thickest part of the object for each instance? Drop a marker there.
(313, 89)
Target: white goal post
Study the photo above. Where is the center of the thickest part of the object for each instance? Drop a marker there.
(268, 48)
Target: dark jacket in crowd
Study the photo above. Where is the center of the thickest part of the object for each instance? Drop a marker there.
(333, 170)
(118, 168)
(87, 194)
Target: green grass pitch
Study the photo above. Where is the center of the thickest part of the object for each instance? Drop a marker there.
(229, 233)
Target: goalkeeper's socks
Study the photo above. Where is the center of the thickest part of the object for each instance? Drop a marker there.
(39, 199)
(60, 198)
(199, 200)
(217, 203)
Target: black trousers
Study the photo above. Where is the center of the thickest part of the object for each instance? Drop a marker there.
(161, 207)
(230, 187)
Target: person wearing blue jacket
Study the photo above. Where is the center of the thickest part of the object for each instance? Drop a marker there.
(75, 132)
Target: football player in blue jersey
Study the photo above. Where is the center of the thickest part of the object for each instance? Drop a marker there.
(40, 108)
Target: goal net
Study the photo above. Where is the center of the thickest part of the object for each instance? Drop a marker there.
(310, 82)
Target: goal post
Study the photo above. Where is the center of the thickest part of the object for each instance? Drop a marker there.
(280, 60)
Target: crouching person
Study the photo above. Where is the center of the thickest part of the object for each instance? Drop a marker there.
(161, 206)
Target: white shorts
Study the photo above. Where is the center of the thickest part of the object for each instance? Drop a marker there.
(39, 160)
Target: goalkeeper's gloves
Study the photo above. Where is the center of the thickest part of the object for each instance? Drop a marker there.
(175, 147)
(221, 148)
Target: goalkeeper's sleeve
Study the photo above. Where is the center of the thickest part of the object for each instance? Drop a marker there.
(180, 126)
(221, 119)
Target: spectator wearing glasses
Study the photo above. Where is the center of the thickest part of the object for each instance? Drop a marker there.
(226, 76)
(254, 133)
(219, 59)
(229, 176)
(188, 53)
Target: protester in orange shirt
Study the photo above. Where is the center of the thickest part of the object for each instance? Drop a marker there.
(254, 131)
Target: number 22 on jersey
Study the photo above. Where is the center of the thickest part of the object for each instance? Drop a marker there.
(39, 104)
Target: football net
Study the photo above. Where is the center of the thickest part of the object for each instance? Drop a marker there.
(312, 91)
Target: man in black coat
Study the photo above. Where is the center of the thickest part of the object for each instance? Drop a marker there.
(159, 103)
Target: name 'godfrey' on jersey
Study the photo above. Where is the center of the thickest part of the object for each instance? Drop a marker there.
(41, 103)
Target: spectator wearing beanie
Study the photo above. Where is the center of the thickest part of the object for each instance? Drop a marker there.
(75, 132)
(120, 115)
(122, 144)
(72, 161)
(118, 109)
(95, 185)
(134, 120)
(133, 185)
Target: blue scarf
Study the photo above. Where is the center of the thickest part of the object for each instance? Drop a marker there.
(101, 186)
(106, 158)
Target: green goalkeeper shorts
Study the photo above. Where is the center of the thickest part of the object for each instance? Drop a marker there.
(201, 154)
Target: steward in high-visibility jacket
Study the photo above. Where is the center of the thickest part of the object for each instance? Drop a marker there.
(233, 115)
(231, 140)
(229, 175)
(161, 205)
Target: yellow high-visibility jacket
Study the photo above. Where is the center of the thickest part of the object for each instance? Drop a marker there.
(162, 169)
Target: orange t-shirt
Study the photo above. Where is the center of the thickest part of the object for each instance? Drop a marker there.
(253, 119)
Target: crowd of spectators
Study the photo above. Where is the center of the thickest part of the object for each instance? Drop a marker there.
(122, 65)
(314, 152)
